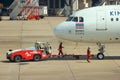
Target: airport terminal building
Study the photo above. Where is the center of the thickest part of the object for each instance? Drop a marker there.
(58, 7)
(65, 7)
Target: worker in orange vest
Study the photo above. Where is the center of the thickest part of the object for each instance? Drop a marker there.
(60, 50)
(88, 54)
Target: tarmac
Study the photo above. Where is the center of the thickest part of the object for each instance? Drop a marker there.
(21, 34)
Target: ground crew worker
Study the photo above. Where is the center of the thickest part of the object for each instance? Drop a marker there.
(88, 54)
(60, 50)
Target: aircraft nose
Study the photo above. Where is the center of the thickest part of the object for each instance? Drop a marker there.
(64, 30)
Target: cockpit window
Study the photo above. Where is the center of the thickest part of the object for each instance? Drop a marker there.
(81, 19)
(69, 19)
(75, 19)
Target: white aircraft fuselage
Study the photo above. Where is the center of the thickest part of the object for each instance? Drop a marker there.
(96, 24)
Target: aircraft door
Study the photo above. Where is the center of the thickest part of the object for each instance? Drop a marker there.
(101, 21)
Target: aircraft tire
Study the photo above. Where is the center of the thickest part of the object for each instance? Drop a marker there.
(100, 56)
(36, 58)
(17, 58)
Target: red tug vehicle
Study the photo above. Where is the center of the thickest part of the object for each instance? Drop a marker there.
(41, 50)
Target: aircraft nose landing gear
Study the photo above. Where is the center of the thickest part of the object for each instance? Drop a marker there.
(101, 50)
(100, 56)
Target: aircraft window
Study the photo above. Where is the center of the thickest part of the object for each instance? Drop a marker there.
(117, 19)
(75, 19)
(69, 19)
(81, 19)
(112, 19)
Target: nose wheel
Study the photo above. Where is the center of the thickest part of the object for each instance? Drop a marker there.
(100, 56)
(101, 50)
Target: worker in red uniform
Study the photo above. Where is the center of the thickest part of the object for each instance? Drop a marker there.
(88, 54)
(60, 50)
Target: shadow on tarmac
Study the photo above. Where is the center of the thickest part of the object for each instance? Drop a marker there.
(84, 57)
(66, 58)
(19, 63)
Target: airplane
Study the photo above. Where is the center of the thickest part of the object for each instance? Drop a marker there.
(99, 25)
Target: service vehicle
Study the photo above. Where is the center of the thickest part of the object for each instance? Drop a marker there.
(40, 50)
